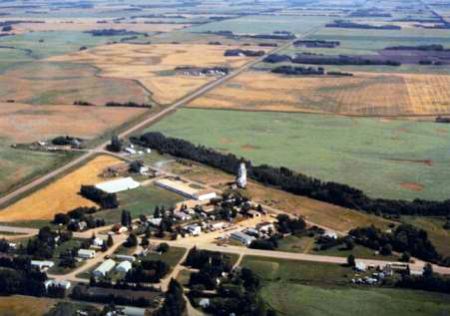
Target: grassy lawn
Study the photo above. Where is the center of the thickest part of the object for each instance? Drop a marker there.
(142, 200)
(434, 227)
(172, 257)
(296, 244)
(358, 252)
(272, 269)
(381, 157)
(297, 299)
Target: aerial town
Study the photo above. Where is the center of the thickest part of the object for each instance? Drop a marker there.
(224, 157)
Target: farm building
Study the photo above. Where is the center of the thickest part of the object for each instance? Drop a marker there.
(242, 238)
(42, 265)
(64, 284)
(86, 253)
(104, 268)
(118, 185)
(124, 266)
(185, 189)
(125, 257)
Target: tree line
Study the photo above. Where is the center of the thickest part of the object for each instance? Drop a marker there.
(294, 182)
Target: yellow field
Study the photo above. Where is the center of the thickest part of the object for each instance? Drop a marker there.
(24, 306)
(366, 94)
(152, 65)
(59, 196)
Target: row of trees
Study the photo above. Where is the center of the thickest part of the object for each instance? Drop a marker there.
(405, 238)
(104, 199)
(293, 182)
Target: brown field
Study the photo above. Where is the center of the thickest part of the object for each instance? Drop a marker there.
(153, 65)
(364, 94)
(65, 83)
(18, 305)
(59, 196)
(26, 123)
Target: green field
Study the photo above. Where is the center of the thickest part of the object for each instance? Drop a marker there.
(265, 24)
(142, 200)
(309, 288)
(172, 257)
(19, 166)
(297, 299)
(383, 158)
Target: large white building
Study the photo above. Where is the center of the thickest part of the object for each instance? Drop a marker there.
(118, 185)
(184, 189)
(104, 268)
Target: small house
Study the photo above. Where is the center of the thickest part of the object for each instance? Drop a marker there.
(194, 229)
(62, 284)
(86, 253)
(42, 265)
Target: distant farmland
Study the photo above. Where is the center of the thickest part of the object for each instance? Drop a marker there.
(364, 94)
(385, 158)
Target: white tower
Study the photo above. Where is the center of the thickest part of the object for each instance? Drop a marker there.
(241, 179)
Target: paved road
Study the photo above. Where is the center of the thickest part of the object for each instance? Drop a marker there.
(151, 119)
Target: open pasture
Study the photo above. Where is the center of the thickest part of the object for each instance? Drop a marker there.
(59, 196)
(153, 65)
(385, 158)
(364, 94)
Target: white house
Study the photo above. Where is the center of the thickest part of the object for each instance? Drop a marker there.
(194, 229)
(330, 234)
(86, 253)
(124, 266)
(254, 214)
(182, 216)
(104, 268)
(204, 303)
(218, 225)
(98, 242)
(155, 221)
(242, 238)
(64, 284)
(42, 265)
(118, 185)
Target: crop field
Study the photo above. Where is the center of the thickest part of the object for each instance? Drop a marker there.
(298, 299)
(265, 24)
(64, 83)
(59, 196)
(403, 94)
(153, 65)
(384, 158)
(27, 123)
(17, 165)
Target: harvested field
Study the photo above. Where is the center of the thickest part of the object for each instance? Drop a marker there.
(26, 123)
(64, 83)
(59, 196)
(364, 94)
(153, 65)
